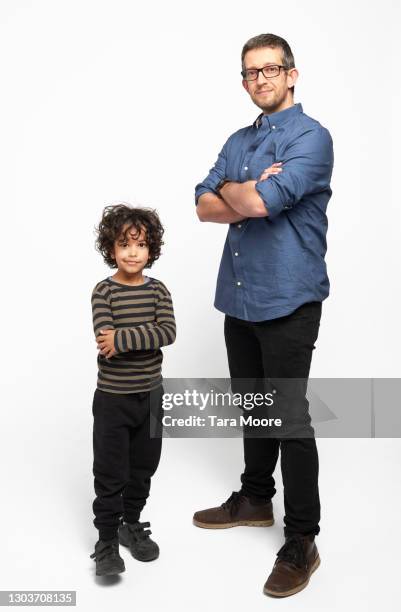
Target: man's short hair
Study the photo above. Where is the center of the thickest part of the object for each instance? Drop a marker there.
(273, 41)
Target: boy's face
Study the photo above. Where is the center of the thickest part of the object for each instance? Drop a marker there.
(131, 253)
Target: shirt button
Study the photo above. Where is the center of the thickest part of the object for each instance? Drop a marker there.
(245, 167)
(273, 127)
(236, 254)
(238, 283)
(239, 225)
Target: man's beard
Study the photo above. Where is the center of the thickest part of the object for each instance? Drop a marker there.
(271, 106)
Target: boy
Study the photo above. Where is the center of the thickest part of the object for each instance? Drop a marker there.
(132, 318)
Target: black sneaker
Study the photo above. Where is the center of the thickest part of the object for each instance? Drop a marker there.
(107, 557)
(136, 537)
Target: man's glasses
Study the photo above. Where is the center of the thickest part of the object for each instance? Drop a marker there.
(270, 71)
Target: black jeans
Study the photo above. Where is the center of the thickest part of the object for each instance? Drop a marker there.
(279, 348)
(125, 456)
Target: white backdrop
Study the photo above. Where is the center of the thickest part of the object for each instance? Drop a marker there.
(82, 127)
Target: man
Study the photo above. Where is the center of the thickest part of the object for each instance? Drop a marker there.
(271, 183)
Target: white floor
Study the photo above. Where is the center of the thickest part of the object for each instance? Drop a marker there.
(48, 534)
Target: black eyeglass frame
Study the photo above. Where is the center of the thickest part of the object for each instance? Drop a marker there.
(279, 66)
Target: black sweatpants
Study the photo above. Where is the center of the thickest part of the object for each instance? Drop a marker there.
(125, 456)
(278, 349)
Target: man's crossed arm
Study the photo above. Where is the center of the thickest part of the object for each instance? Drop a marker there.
(237, 201)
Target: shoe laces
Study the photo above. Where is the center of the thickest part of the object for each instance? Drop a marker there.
(293, 551)
(139, 530)
(110, 549)
(233, 502)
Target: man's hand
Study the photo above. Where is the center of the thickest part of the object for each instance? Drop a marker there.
(273, 169)
(105, 342)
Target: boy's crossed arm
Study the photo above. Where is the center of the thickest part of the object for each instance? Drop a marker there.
(146, 336)
(102, 318)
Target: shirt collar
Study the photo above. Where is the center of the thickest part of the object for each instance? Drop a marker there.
(280, 118)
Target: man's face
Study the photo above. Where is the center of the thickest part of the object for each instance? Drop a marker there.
(269, 94)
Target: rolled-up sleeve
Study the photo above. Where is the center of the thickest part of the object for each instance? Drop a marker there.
(215, 175)
(307, 168)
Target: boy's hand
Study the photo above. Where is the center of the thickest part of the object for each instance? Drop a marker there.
(105, 342)
(273, 169)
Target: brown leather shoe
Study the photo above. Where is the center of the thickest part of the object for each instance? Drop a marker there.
(237, 510)
(295, 563)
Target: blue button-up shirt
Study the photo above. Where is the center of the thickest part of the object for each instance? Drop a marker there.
(271, 265)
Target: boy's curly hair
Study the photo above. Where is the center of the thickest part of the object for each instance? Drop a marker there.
(115, 217)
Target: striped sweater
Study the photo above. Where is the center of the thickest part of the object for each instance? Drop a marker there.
(143, 318)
